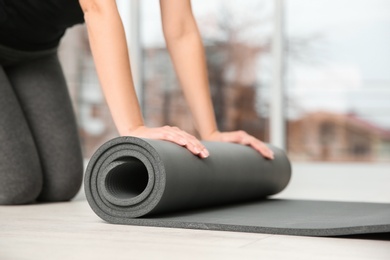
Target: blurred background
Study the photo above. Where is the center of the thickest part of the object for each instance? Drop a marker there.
(320, 68)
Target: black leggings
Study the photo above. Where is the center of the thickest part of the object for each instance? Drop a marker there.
(40, 153)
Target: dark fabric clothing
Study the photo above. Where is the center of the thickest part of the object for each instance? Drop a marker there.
(34, 25)
(12, 57)
(40, 151)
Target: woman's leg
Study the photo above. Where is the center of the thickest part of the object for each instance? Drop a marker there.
(42, 92)
(20, 169)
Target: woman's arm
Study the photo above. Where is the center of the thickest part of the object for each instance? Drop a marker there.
(109, 50)
(188, 56)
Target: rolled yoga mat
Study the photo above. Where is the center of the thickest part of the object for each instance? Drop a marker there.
(157, 183)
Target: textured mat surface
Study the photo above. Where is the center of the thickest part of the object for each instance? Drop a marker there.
(155, 183)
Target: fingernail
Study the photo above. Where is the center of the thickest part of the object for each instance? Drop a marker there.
(182, 141)
(197, 151)
(205, 153)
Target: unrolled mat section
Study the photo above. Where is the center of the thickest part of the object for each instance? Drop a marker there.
(157, 183)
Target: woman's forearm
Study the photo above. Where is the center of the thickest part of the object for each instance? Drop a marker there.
(110, 53)
(187, 52)
(188, 56)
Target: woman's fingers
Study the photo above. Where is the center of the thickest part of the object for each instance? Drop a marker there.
(262, 148)
(196, 145)
(241, 137)
(191, 142)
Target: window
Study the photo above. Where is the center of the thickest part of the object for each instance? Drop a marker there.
(338, 80)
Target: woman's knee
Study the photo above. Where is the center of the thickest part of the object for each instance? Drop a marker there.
(63, 182)
(19, 183)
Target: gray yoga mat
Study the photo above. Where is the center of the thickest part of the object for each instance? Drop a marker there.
(156, 183)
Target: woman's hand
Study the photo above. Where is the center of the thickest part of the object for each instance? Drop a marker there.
(172, 134)
(241, 137)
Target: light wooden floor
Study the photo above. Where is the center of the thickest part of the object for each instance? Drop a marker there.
(72, 231)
